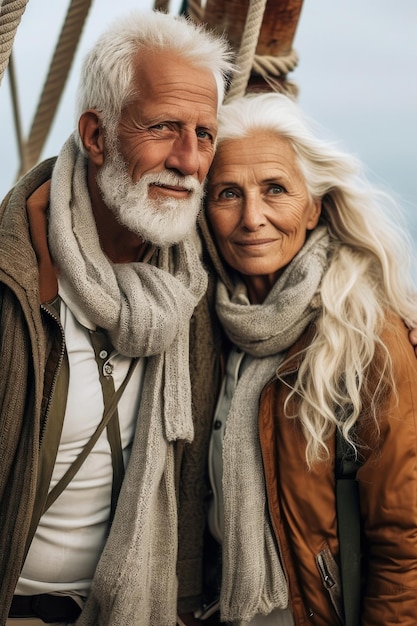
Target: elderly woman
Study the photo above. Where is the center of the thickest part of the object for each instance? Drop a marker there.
(313, 291)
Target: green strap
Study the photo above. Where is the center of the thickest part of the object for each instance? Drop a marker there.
(349, 530)
(102, 350)
(109, 412)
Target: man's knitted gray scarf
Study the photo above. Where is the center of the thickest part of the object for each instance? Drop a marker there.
(146, 311)
(253, 581)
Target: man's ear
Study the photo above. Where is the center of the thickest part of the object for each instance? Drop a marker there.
(91, 132)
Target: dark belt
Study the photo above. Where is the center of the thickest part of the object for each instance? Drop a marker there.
(45, 606)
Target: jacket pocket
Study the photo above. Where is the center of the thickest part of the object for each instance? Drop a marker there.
(330, 576)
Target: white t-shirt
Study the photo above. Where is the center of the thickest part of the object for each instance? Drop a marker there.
(71, 534)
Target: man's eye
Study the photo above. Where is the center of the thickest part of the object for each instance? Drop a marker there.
(161, 126)
(204, 134)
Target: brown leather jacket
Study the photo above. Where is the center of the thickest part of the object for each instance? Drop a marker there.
(302, 501)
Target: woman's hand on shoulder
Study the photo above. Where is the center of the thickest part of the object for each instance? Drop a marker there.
(38, 201)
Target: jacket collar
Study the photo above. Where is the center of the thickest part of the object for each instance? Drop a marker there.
(23, 237)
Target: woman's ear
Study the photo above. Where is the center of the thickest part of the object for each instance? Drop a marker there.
(90, 128)
(315, 212)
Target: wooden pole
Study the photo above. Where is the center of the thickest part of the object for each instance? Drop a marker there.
(276, 35)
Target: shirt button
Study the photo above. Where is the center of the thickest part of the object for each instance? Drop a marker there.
(108, 369)
(103, 354)
(217, 425)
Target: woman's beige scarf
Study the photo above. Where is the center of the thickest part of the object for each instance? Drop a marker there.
(253, 581)
(146, 311)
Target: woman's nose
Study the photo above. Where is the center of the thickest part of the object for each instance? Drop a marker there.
(252, 212)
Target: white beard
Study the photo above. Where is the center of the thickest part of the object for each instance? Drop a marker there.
(161, 221)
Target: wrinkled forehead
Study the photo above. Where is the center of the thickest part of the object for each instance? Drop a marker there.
(257, 146)
(161, 76)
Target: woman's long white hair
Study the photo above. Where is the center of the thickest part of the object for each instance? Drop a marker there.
(368, 276)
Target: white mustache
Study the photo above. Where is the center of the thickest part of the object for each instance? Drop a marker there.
(172, 180)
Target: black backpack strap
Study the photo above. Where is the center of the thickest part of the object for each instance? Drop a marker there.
(349, 529)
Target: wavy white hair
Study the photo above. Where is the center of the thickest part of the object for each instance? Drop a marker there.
(106, 82)
(368, 277)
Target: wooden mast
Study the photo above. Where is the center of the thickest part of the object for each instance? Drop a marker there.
(275, 39)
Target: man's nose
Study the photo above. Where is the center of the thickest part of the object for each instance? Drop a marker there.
(184, 155)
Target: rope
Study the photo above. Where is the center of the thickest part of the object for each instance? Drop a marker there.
(11, 12)
(247, 48)
(54, 85)
(271, 68)
(275, 66)
(16, 111)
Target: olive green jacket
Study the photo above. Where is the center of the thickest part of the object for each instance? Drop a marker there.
(31, 348)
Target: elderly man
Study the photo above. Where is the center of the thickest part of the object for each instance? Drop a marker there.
(96, 297)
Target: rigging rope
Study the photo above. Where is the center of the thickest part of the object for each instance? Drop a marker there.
(275, 66)
(272, 67)
(54, 85)
(11, 12)
(247, 48)
(16, 111)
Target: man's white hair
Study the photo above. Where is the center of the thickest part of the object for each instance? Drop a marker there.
(106, 82)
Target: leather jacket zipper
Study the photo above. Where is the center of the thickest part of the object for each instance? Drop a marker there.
(55, 378)
(324, 571)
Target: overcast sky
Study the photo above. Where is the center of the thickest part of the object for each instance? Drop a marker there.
(357, 76)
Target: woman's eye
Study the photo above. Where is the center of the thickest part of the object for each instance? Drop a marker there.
(227, 194)
(275, 190)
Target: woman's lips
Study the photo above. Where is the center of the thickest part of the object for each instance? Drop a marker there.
(254, 242)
